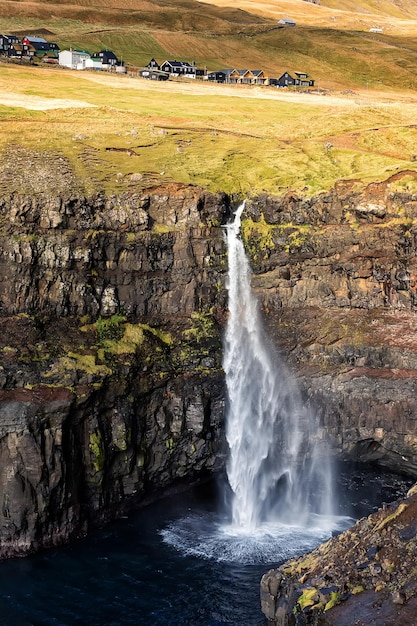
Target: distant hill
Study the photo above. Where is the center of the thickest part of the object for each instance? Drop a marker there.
(395, 8)
(346, 13)
(334, 45)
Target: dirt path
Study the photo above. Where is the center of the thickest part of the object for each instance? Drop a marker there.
(206, 89)
(38, 103)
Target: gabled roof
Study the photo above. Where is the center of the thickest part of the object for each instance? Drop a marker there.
(244, 72)
(10, 38)
(79, 52)
(258, 72)
(36, 39)
(229, 71)
(288, 74)
(171, 62)
(102, 53)
(178, 64)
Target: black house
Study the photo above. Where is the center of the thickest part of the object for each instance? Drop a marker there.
(107, 57)
(153, 65)
(6, 43)
(300, 79)
(40, 45)
(303, 79)
(217, 77)
(286, 80)
(179, 68)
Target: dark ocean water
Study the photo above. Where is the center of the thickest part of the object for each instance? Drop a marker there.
(144, 570)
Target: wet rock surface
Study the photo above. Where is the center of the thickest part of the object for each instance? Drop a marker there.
(366, 575)
(336, 277)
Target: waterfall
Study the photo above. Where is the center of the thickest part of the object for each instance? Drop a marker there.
(275, 469)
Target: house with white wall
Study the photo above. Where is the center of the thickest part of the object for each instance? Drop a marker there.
(74, 59)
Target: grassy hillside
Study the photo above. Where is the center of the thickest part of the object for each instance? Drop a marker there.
(218, 37)
(136, 133)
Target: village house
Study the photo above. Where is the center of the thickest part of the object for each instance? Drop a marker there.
(22, 51)
(260, 78)
(286, 22)
(43, 49)
(6, 43)
(105, 58)
(303, 79)
(217, 77)
(83, 60)
(28, 48)
(179, 68)
(13, 48)
(236, 77)
(153, 65)
(287, 79)
(153, 74)
(74, 59)
(174, 68)
(229, 76)
(245, 77)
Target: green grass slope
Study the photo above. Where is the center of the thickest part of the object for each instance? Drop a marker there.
(217, 37)
(137, 133)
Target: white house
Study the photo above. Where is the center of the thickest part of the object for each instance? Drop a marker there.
(95, 64)
(74, 59)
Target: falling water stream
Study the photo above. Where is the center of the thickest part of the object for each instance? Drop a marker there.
(277, 468)
(278, 471)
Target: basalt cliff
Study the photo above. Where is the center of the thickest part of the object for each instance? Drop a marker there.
(112, 311)
(111, 387)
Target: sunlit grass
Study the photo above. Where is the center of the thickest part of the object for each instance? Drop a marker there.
(231, 143)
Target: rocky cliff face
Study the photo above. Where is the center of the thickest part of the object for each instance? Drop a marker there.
(112, 310)
(337, 277)
(110, 381)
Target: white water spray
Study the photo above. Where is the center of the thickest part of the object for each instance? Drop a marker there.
(274, 469)
(281, 484)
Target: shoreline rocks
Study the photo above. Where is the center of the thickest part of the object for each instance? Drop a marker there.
(364, 576)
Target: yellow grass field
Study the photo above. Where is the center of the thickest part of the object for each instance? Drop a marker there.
(238, 139)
